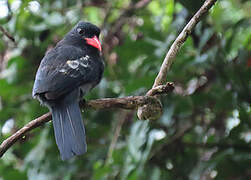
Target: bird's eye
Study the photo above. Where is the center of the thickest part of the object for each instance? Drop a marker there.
(80, 31)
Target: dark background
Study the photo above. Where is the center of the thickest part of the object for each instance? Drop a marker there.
(205, 130)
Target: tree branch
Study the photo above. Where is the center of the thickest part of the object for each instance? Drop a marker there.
(143, 112)
(7, 143)
(171, 54)
(131, 102)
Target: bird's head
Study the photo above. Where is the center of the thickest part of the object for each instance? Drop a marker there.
(84, 33)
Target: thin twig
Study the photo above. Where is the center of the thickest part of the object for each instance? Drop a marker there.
(127, 116)
(7, 34)
(115, 138)
(179, 41)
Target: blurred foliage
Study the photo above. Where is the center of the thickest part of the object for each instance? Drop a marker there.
(205, 130)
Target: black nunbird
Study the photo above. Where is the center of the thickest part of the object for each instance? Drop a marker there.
(66, 73)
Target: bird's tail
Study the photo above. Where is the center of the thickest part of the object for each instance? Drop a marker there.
(68, 127)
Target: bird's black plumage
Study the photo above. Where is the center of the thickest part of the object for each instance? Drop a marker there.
(67, 72)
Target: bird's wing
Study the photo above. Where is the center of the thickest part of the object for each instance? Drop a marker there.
(65, 69)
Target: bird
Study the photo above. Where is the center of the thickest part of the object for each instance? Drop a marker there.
(65, 74)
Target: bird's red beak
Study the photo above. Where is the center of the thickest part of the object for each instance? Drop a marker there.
(94, 41)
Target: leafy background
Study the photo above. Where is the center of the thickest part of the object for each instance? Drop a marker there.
(205, 130)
